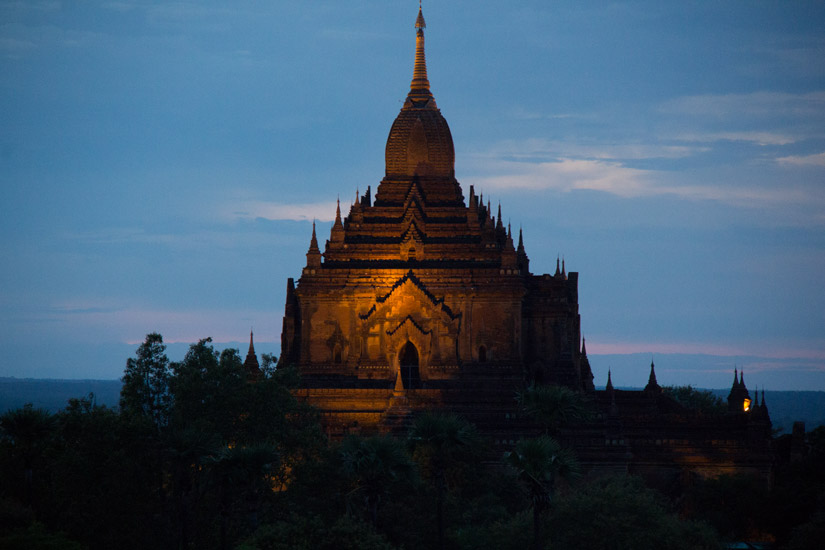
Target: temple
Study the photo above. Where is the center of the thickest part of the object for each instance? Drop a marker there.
(421, 299)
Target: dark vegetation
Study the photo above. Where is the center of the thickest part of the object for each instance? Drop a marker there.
(198, 456)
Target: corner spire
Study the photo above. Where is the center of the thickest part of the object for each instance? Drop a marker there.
(314, 253)
(764, 408)
(337, 231)
(253, 369)
(420, 86)
(652, 384)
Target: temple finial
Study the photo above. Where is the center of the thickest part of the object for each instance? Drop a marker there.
(420, 86)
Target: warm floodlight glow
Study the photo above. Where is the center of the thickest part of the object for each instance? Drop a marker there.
(747, 405)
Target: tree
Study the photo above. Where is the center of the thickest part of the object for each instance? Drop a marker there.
(620, 513)
(735, 505)
(303, 532)
(145, 392)
(105, 472)
(208, 390)
(539, 462)
(554, 406)
(373, 468)
(243, 473)
(28, 432)
(441, 443)
(699, 400)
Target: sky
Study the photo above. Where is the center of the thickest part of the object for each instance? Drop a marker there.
(161, 164)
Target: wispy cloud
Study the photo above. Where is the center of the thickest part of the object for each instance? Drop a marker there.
(755, 104)
(566, 175)
(543, 149)
(807, 160)
(321, 211)
(770, 351)
(130, 323)
(12, 48)
(758, 138)
(781, 200)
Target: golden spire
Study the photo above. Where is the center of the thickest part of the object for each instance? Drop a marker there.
(420, 86)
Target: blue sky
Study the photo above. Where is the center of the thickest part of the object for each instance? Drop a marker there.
(161, 163)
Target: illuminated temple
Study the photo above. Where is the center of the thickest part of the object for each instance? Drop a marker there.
(421, 298)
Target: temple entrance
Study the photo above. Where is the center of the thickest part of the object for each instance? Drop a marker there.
(408, 360)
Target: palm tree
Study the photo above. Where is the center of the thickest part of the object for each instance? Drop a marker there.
(372, 466)
(554, 406)
(539, 462)
(439, 443)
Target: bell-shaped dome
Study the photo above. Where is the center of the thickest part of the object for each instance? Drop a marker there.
(420, 143)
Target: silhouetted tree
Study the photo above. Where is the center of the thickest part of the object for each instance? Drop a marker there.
(539, 462)
(240, 474)
(28, 432)
(620, 513)
(145, 392)
(554, 406)
(440, 444)
(308, 532)
(703, 401)
(373, 468)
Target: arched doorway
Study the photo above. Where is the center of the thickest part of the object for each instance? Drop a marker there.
(408, 359)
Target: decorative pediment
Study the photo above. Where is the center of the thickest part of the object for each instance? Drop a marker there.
(410, 284)
(411, 321)
(410, 313)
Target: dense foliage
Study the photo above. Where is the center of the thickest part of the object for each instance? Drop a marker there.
(199, 455)
(703, 401)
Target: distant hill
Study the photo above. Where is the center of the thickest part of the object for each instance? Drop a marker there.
(52, 394)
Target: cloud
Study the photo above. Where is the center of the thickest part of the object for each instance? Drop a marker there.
(321, 211)
(759, 138)
(518, 112)
(12, 48)
(98, 320)
(566, 175)
(755, 104)
(538, 149)
(778, 200)
(765, 351)
(808, 160)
